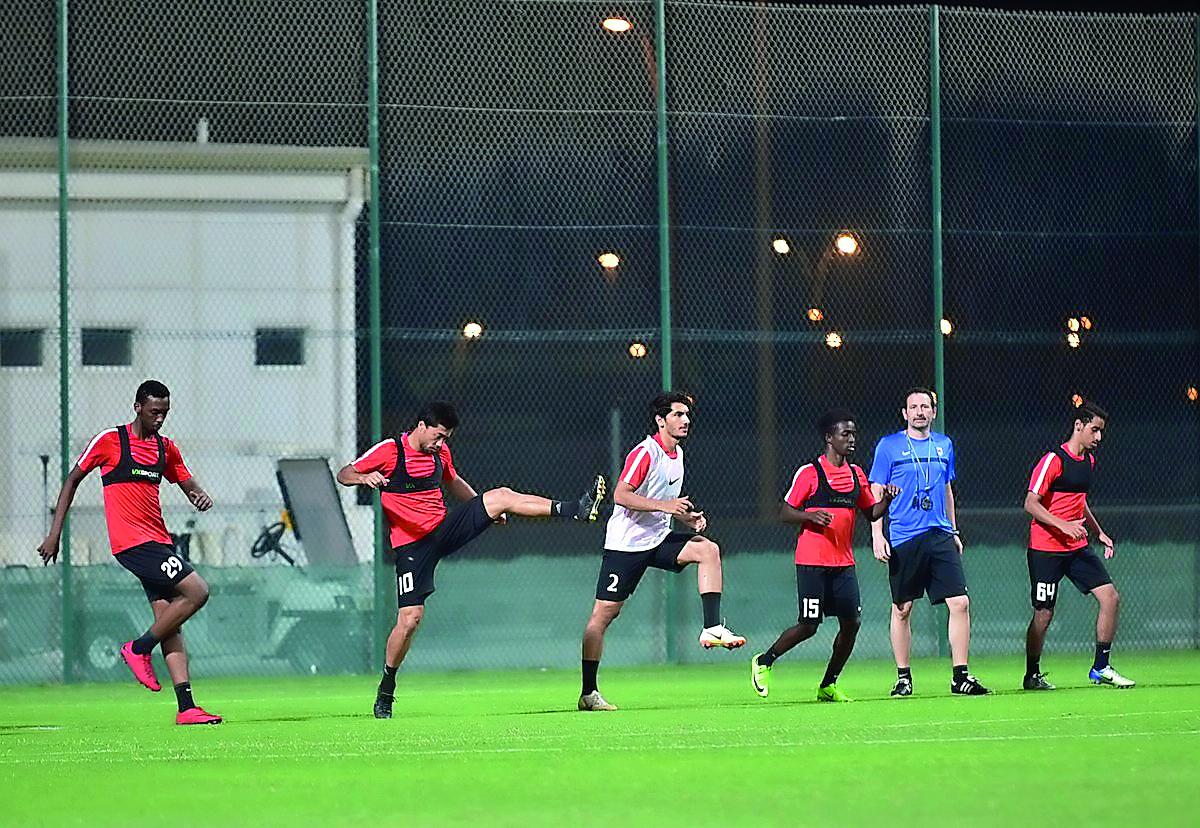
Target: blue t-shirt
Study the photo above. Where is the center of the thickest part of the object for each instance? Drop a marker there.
(919, 468)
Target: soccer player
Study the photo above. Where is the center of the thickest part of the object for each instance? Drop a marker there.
(822, 500)
(922, 548)
(1058, 546)
(409, 472)
(133, 460)
(645, 501)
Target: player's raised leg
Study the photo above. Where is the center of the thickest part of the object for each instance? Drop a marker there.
(707, 557)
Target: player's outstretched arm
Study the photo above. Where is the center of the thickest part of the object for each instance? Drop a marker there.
(48, 548)
(350, 476)
(199, 498)
(460, 489)
(887, 494)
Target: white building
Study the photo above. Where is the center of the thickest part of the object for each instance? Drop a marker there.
(227, 272)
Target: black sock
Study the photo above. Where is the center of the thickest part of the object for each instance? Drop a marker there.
(960, 672)
(711, 601)
(564, 509)
(830, 677)
(144, 645)
(1102, 650)
(1033, 666)
(768, 658)
(589, 675)
(183, 695)
(387, 684)
(904, 672)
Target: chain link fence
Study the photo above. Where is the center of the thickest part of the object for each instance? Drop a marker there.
(217, 239)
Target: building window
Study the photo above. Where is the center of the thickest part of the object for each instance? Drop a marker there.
(20, 348)
(279, 346)
(107, 346)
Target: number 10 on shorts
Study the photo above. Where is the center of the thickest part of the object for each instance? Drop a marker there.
(404, 583)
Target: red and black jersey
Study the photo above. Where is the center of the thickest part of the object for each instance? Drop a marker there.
(412, 500)
(1061, 480)
(131, 470)
(841, 491)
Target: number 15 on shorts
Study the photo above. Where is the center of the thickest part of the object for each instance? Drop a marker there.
(810, 608)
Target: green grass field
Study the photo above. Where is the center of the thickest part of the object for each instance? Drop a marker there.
(689, 746)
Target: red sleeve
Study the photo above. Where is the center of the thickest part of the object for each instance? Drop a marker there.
(804, 483)
(103, 450)
(1045, 472)
(637, 466)
(865, 499)
(380, 457)
(176, 471)
(448, 470)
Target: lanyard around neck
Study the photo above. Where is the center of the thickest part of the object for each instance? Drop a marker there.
(928, 459)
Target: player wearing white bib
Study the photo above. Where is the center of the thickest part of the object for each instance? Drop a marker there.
(645, 501)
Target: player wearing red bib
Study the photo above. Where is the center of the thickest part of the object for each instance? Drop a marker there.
(1058, 546)
(133, 460)
(823, 500)
(409, 473)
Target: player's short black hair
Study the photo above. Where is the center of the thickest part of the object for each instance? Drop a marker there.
(1088, 411)
(151, 388)
(828, 420)
(660, 406)
(438, 413)
(919, 389)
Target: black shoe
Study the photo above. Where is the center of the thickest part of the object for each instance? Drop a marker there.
(902, 687)
(589, 501)
(969, 686)
(1036, 681)
(383, 708)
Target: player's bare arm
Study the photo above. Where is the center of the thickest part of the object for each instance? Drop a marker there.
(199, 498)
(460, 489)
(790, 514)
(1073, 529)
(879, 544)
(48, 548)
(1090, 522)
(350, 476)
(625, 496)
(888, 493)
(951, 516)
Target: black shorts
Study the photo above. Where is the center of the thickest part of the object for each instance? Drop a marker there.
(1082, 567)
(416, 561)
(827, 591)
(621, 571)
(157, 566)
(927, 564)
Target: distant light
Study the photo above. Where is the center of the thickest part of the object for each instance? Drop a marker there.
(833, 339)
(1076, 400)
(617, 24)
(637, 350)
(1086, 322)
(472, 330)
(781, 246)
(815, 314)
(1072, 324)
(609, 261)
(1191, 393)
(947, 327)
(1073, 340)
(846, 244)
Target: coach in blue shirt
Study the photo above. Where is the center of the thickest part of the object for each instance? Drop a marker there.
(922, 547)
